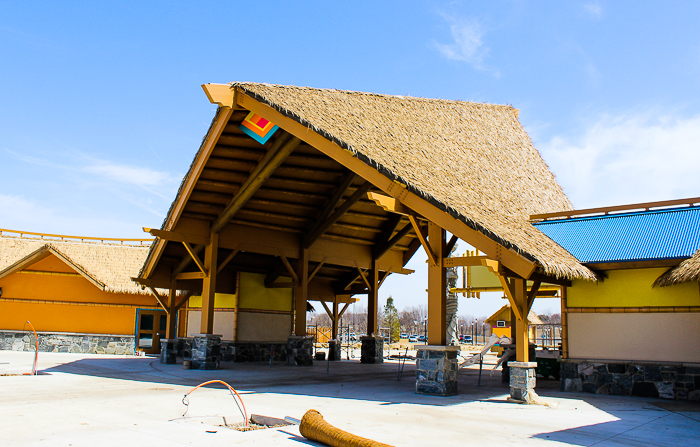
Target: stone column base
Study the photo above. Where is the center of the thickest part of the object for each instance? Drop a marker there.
(206, 351)
(372, 350)
(436, 370)
(184, 347)
(168, 351)
(333, 350)
(522, 380)
(300, 350)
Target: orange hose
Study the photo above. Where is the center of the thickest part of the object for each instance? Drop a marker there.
(245, 412)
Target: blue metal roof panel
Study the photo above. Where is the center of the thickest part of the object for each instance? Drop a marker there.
(648, 235)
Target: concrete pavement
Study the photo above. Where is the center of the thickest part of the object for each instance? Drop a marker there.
(88, 400)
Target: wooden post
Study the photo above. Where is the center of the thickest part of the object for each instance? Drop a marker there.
(171, 329)
(209, 286)
(373, 299)
(334, 334)
(522, 342)
(437, 288)
(564, 325)
(301, 293)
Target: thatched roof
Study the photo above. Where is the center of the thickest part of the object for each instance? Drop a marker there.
(108, 266)
(474, 161)
(687, 271)
(532, 317)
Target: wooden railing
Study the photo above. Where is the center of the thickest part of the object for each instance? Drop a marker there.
(63, 237)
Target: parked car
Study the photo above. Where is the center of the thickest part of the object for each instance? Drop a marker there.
(404, 335)
(413, 339)
(422, 338)
(465, 338)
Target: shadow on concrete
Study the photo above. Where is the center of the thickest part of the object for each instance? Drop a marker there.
(341, 379)
(636, 422)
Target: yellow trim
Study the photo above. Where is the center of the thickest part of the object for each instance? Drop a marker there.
(38, 272)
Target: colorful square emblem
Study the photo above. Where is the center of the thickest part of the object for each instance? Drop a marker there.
(258, 128)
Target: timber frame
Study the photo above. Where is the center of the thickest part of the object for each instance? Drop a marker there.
(303, 207)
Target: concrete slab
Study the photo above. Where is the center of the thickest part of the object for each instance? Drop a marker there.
(88, 400)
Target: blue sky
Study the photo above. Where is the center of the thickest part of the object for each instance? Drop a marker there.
(101, 109)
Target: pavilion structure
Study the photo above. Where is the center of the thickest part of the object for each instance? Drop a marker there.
(324, 193)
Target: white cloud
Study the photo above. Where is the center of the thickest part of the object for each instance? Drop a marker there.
(467, 42)
(594, 9)
(132, 175)
(628, 159)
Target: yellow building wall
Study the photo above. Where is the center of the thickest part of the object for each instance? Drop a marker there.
(631, 288)
(221, 301)
(254, 294)
(64, 316)
(67, 318)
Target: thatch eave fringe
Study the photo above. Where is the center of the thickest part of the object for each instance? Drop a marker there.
(686, 271)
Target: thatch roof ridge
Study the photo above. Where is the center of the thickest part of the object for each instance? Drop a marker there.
(367, 142)
(686, 271)
(112, 265)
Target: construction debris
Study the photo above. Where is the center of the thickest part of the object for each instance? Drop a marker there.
(313, 427)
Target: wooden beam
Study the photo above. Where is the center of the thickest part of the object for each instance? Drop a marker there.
(337, 196)
(372, 299)
(510, 294)
(221, 94)
(186, 261)
(321, 227)
(301, 292)
(437, 285)
(608, 209)
(175, 236)
(195, 258)
(328, 311)
(190, 275)
(318, 267)
(183, 300)
(522, 341)
(389, 204)
(451, 244)
(158, 298)
(292, 273)
(227, 260)
(270, 162)
(171, 313)
(464, 261)
(532, 294)
(209, 285)
(364, 278)
(432, 259)
(381, 246)
(342, 311)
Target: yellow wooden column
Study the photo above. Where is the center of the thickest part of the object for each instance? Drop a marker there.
(170, 328)
(301, 293)
(522, 343)
(334, 330)
(209, 286)
(437, 288)
(373, 299)
(564, 325)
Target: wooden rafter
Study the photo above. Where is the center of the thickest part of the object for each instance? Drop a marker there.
(194, 256)
(227, 260)
(321, 227)
(273, 158)
(385, 236)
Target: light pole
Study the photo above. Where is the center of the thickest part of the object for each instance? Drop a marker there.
(461, 332)
(425, 330)
(474, 333)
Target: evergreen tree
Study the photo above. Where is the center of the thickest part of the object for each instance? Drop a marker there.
(391, 319)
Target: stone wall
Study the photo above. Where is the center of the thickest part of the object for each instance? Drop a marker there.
(67, 342)
(630, 379)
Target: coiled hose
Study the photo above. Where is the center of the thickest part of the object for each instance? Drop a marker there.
(313, 427)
